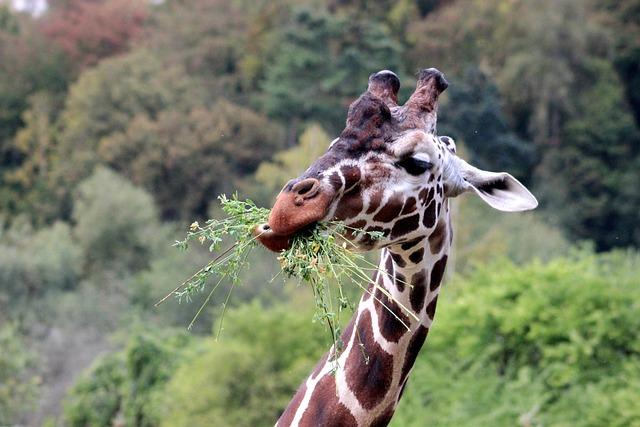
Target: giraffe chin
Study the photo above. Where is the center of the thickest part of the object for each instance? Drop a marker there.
(270, 240)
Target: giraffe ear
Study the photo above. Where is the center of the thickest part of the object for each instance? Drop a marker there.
(499, 190)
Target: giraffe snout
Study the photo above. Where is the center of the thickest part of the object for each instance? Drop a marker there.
(299, 205)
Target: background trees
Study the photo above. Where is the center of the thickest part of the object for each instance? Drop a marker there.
(120, 123)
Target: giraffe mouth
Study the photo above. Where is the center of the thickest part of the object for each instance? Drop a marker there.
(272, 240)
(296, 209)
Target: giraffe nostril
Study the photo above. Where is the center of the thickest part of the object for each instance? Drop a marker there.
(306, 188)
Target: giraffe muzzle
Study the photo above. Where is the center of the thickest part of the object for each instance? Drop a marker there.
(297, 207)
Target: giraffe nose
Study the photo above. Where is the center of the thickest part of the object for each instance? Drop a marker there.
(305, 189)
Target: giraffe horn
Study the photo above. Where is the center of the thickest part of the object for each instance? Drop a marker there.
(385, 85)
(431, 83)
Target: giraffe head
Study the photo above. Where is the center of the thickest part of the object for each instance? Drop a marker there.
(388, 172)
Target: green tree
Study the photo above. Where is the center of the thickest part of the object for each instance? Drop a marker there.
(120, 387)
(186, 158)
(116, 223)
(104, 101)
(587, 181)
(473, 114)
(33, 263)
(27, 188)
(320, 64)
(207, 38)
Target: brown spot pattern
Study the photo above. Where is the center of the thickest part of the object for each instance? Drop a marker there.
(397, 258)
(390, 327)
(431, 308)
(409, 206)
(335, 181)
(374, 201)
(370, 379)
(390, 210)
(437, 272)
(411, 243)
(400, 282)
(349, 206)
(412, 350)
(405, 225)
(287, 416)
(416, 256)
(436, 239)
(418, 291)
(324, 407)
(351, 175)
(384, 418)
(430, 215)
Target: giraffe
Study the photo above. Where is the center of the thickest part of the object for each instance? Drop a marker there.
(388, 171)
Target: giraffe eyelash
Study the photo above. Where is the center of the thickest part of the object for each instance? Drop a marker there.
(414, 166)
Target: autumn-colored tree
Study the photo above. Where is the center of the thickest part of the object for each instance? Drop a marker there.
(88, 31)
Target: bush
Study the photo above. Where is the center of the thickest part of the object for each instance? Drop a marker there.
(543, 342)
(18, 386)
(116, 223)
(32, 263)
(120, 386)
(248, 378)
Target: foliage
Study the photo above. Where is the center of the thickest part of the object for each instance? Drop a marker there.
(474, 115)
(90, 31)
(115, 223)
(596, 166)
(120, 387)
(104, 101)
(206, 37)
(320, 64)
(271, 350)
(18, 384)
(33, 263)
(174, 96)
(273, 174)
(321, 257)
(541, 335)
(482, 234)
(28, 189)
(95, 399)
(172, 155)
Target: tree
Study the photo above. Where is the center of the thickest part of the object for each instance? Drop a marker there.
(207, 38)
(540, 344)
(120, 387)
(103, 102)
(186, 158)
(587, 181)
(115, 223)
(28, 187)
(473, 114)
(320, 64)
(33, 263)
(88, 31)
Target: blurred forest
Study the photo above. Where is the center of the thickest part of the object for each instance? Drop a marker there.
(122, 120)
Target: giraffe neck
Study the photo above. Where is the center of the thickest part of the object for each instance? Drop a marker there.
(379, 351)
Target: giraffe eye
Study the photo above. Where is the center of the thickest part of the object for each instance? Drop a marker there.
(414, 166)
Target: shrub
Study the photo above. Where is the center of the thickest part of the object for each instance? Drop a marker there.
(248, 378)
(543, 342)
